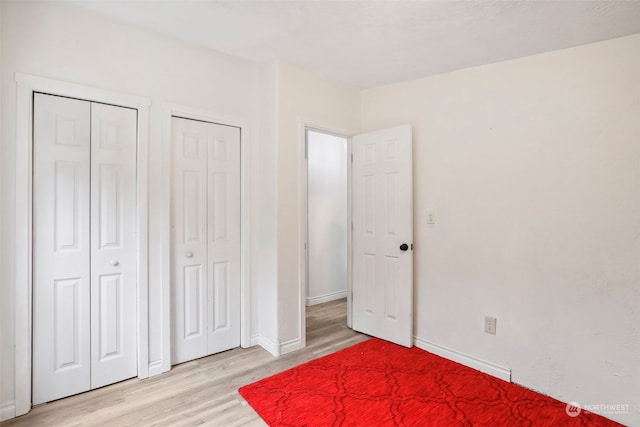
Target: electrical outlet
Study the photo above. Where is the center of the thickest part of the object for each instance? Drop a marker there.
(490, 324)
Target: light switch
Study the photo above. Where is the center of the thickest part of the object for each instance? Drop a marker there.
(431, 218)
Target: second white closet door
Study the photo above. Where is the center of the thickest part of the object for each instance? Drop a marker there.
(205, 239)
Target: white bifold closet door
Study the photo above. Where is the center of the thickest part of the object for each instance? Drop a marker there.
(84, 249)
(205, 239)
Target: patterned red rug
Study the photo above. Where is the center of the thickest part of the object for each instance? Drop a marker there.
(376, 383)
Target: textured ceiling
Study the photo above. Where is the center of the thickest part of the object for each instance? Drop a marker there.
(374, 43)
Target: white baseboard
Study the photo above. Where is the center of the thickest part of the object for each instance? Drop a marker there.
(291, 345)
(7, 411)
(277, 349)
(269, 345)
(157, 367)
(254, 340)
(464, 359)
(325, 298)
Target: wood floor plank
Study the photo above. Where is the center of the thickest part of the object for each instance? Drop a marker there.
(199, 392)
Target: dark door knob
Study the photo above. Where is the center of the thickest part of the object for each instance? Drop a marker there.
(404, 247)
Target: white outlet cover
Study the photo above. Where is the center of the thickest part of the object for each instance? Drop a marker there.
(490, 324)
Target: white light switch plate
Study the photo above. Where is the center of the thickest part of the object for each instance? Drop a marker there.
(431, 218)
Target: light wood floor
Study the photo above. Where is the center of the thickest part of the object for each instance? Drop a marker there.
(200, 392)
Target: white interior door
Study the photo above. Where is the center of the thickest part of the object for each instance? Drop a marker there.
(205, 239)
(189, 240)
(113, 244)
(223, 224)
(382, 214)
(84, 250)
(61, 248)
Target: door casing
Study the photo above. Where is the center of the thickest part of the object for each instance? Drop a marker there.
(26, 86)
(176, 110)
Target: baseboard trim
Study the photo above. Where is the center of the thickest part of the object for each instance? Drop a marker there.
(157, 367)
(325, 298)
(464, 359)
(290, 346)
(254, 340)
(269, 345)
(7, 410)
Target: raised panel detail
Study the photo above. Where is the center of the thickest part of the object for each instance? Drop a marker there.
(191, 206)
(66, 205)
(390, 287)
(391, 204)
(220, 205)
(369, 154)
(220, 150)
(370, 283)
(192, 301)
(369, 204)
(220, 295)
(391, 150)
(190, 146)
(65, 131)
(66, 328)
(110, 316)
(110, 206)
(109, 137)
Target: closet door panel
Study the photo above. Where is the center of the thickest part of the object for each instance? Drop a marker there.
(189, 240)
(61, 248)
(113, 244)
(223, 237)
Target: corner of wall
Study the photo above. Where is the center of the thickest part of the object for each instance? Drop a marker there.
(265, 276)
(7, 390)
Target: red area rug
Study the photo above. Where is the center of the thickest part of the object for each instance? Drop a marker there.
(376, 383)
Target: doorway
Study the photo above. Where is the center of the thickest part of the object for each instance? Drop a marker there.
(327, 217)
(380, 233)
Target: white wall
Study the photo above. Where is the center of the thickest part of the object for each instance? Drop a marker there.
(327, 217)
(303, 98)
(68, 43)
(532, 168)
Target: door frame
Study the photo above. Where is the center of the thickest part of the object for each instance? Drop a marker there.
(26, 85)
(170, 110)
(303, 255)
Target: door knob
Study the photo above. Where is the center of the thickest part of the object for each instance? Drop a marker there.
(404, 247)
(189, 254)
(114, 262)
